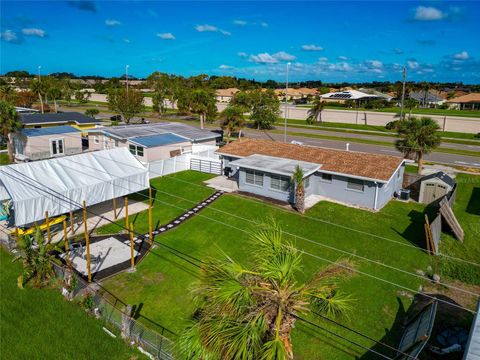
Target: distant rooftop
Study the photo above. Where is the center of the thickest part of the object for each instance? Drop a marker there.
(275, 165)
(57, 118)
(157, 140)
(349, 95)
(51, 130)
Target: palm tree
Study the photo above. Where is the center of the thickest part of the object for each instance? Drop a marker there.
(315, 112)
(54, 93)
(418, 137)
(9, 123)
(37, 257)
(232, 120)
(250, 312)
(297, 178)
(38, 88)
(202, 102)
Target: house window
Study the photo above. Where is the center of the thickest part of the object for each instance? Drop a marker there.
(136, 150)
(326, 177)
(306, 183)
(278, 182)
(355, 184)
(57, 147)
(254, 177)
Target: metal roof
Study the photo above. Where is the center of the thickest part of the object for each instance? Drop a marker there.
(157, 140)
(275, 165)
(52, 130)
(472, 350)
(185, 131)
(57, 118)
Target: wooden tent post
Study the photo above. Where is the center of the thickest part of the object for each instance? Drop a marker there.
(72, 230)
(127, 224)
(65, 240)
(132, 247)
(150, 238)
(47, 222)
(87, 240)
(115, 208)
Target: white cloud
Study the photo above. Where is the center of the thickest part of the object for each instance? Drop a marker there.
(112, 22)
(9, 36)
(263, 24)
(225, 67)
(239, 22)
(166, 36)
(341, 66)
(226, 33)
(263, 58)
(428, 13)
(242, 54)
(127, 41)
(375, 63)
(461, 56)
(206, 28)
(312, 47)
(34, 32)
(323, 59)
(342, 58)
(412, 64)
(284, 56)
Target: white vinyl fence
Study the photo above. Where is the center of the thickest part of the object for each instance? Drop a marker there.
(201, 159)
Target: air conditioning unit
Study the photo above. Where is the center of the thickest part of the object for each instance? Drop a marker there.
(404, 194)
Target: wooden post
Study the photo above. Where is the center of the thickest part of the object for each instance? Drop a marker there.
(87, 240)
(131, 246)
(150, 233)
(115, 208)
(47, 222)
(72, 230)
(127, 223)
(65, 240)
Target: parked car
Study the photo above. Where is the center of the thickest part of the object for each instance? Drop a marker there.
(116, 118)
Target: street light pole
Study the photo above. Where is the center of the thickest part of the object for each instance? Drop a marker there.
(403, 92)
(285, 111)
(39, 67)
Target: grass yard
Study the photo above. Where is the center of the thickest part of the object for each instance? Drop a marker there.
(162, 281)
(4, 160)
(40, 324)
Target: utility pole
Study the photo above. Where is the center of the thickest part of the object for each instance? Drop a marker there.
(285, 111)
(39, 67)
(126, 76)
(403, 92)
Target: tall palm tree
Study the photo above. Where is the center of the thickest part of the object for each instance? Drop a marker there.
(202, 102)
(38, 87)
(418, 137)
(232, 120)
(37, 257)
(9, 123)
(54, 93)
(250, 312)
(315, 112)
(297, 178)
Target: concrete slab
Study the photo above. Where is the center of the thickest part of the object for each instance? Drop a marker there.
(222, 183)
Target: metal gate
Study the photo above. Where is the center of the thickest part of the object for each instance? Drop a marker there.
(206, 166)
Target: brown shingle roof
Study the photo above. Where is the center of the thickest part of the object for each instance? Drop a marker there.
(372, 166)
(473, 97)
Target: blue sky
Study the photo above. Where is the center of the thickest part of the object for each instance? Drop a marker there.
(328, 41)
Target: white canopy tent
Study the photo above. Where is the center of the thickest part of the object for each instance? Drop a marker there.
(62, 184)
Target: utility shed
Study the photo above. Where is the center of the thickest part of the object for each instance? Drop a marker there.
(434, 186)
(62, 184)
(472, 350)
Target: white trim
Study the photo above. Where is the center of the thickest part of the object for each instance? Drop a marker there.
(376, 196)
(57, 141)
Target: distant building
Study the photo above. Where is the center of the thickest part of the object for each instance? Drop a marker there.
(355, 95)
(74, 119)
(225, 95)
(427, 98)
(387, 97)
(466, 102)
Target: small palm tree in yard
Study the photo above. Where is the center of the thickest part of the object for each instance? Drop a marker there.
(418, 137)
(297, 178)
(315, 112)
(37, 262)
(9, 124)
(250, 312)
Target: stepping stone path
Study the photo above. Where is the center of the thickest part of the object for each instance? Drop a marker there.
(188, 214)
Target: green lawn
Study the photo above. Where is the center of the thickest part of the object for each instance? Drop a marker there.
(40, 324)
(163, 280)
(4, 160)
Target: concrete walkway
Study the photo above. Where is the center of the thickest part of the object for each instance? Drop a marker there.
(223, 184)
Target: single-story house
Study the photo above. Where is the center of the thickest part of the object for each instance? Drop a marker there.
(381, 95)
(225, 95)
(265, 168)
(466, 102)
(47, 142)
(355, 95)
(151, 142)
(435, 186)
(74, 119)
(427, 98)
(292, 94)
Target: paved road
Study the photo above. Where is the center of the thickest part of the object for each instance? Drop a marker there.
(375, 149)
